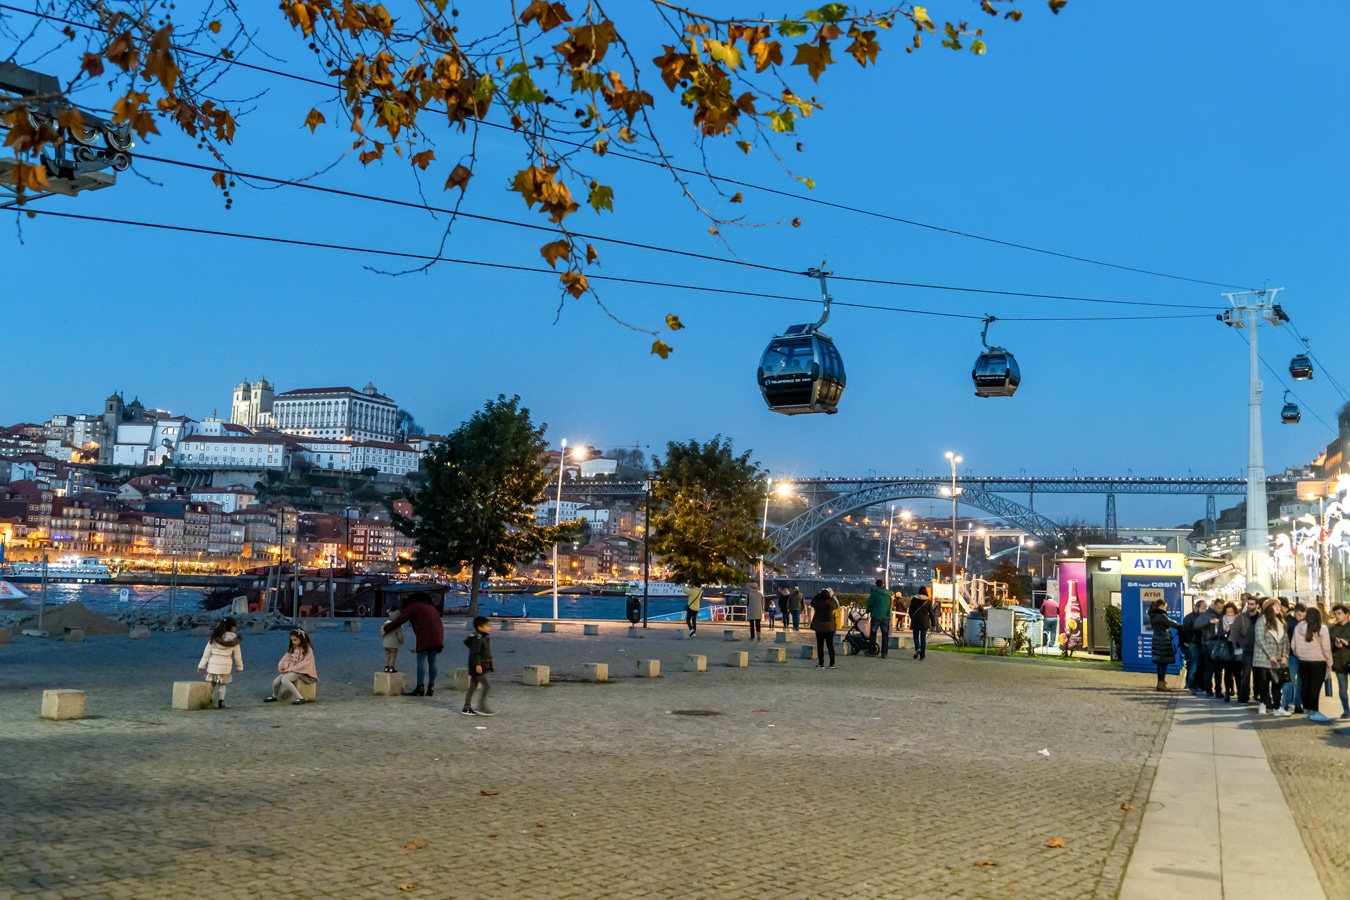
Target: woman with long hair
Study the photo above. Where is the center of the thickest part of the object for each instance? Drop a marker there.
(1312, 645)
(1270, 654)
(1164, 651)
(297, 666)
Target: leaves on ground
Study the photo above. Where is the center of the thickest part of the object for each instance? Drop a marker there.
(1127, 806)
(1055, 844)
(488, 793)
(415, 845)
(407, 886)
(986, 862)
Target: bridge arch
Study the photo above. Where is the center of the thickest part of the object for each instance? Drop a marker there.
(795, 531)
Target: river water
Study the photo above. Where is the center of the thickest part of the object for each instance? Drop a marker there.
(106, 598)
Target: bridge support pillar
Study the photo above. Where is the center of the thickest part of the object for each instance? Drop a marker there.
(1211, 516)
(1111, 531)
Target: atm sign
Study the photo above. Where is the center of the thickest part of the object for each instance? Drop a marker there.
(1173, 564)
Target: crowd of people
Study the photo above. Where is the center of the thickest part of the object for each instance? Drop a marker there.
(1268, 651)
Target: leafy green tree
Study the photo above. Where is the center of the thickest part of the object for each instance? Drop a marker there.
(706, 509)
(1005, 572)
(476, 504)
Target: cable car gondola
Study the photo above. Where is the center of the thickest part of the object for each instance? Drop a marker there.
(995, 373)
(801, 371)
(1291, 414)
(1301, 367)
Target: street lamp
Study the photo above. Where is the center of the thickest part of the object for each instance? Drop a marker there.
(557, 518)
(955, 493)
(784, 489)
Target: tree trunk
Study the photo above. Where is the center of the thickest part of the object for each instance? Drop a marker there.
(473, 591)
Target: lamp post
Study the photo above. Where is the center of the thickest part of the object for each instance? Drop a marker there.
(890, 530)
(646, 553)
(764, 530)
(557, 520)
(955, 493)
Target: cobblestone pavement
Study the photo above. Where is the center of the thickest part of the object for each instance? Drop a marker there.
(882, 778)
(1310, 762)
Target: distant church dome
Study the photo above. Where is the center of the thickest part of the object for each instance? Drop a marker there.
(370, 389)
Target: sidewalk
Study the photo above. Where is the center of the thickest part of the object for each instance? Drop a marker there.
(1217, 824)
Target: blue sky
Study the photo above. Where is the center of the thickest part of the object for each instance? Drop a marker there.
(1192, 139)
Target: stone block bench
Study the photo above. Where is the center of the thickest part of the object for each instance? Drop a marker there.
(139, 633)
(508, 625)
(775, 655)
(635, 632)
(595, 672)
(308, 692)
(808, 651)
(781, 637)
(6, 635)
(548, 627)
(351, 624)
(649, 668)
(74, 635)
(738, 659)
(201, 631)
(534, 676)
(695, 662)
(191, 694)
(729, 635)
(389, 684)
(590, 630)
(62, 704)
(460, 681)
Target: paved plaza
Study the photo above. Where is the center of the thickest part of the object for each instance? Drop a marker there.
(882, 778)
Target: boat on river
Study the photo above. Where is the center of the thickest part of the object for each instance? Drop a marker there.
(69, 570)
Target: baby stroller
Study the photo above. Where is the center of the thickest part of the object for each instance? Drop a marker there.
(857, 638)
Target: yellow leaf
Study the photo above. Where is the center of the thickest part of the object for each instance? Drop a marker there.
(723, 53)
(591, 255)
(736, 197)
(574, 283)
(214, 27)
(407, 886)
(662, 349)
(313, 120)
(673, 323)
(921, 18)
(552, 252)
(415, 845)
(744, 145)
(815, 57)
(977, 47)
(1055, 844)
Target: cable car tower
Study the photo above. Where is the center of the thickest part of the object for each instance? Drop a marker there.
(1248, 309)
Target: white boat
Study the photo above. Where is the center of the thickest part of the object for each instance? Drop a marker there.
(70, 570)
(656, 589)
(10, 592)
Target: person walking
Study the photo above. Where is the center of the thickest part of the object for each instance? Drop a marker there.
(823, 623)
(1291, 695)
(1246, 629)
(480, 664)
(221, 659)
(1163, 651)
(784, 605)
(295, 667)
(430, 633)
(1191, 644)
(693, 598)
(1340, 652)
(796, 603)
(754, 611)
(1311, 643)
(879, 610)
(921, 619)
(1269, 656)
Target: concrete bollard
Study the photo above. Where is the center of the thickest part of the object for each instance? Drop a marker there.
(739, 659)
(695, 662)
(6, 635)
(191, 694)
(139, 633)
(389, 684)
(781, 637)
(74, 636)
(590, 630)
(682, 634)
(62, 704)
(201, 631)
(308, 692)
(508, 625)
(548, 627)
(351, 624)
(308, 625)
(595, 671)
(534, 676)
(728, 635)
(893, 643)
(635, 632)
(649, 668)
(808, 651)
(775, 655)
(461, 680)
(259, 627)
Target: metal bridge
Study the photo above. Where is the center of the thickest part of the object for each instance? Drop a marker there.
(835, 498)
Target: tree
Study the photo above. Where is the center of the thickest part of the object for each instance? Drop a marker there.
(1079, 533)
(407, 426)
(476, 506)
(1005, 572)
(706, 508)
(569, 82)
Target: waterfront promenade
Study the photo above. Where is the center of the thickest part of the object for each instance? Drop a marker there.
(881, 778)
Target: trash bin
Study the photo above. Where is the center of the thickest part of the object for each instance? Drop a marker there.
(634, 610)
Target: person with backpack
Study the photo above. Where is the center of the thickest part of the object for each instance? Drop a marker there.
(693, 597)
(796, 604)
(480, 664)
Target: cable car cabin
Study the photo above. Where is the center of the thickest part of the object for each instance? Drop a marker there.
(996, 373)
(1301, 367)
(802, 372)
(1291, 414)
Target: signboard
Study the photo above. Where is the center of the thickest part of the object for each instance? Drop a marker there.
(123, 594)
(1137, 594)
(1169, 564)
(1073, 602)
(1214, 573)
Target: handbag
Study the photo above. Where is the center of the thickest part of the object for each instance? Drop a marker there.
(1222, 651)
(1282, 675)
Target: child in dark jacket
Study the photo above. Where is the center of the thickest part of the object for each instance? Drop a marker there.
(480, 663)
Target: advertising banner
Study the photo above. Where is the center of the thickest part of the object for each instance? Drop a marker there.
(1137, 594)
(1073, 603)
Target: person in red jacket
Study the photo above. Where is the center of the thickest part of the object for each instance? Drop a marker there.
(430, 634)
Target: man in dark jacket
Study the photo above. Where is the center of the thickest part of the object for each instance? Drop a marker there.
(430, 633)
(480, 664)
(1191, 641)
(1203, 629)
(1243, 638)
